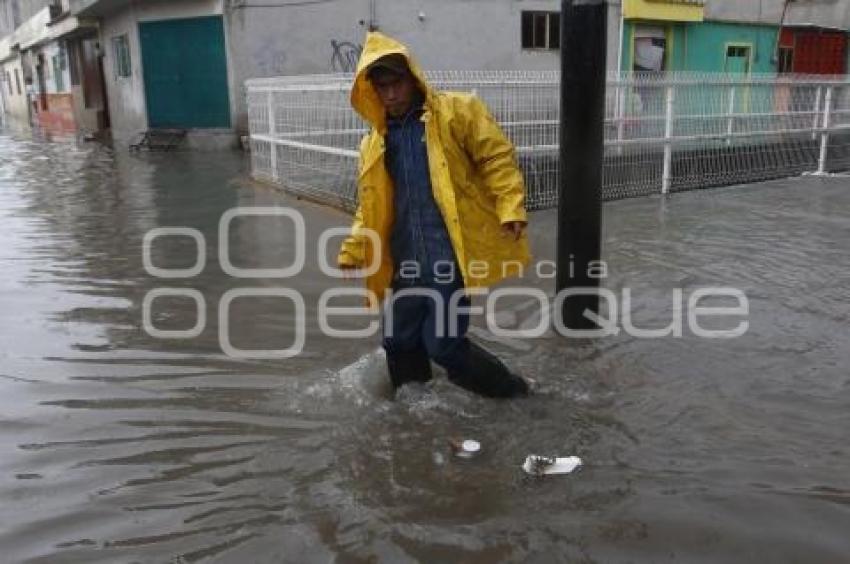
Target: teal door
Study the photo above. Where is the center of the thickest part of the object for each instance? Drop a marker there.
(185, 71)
(737, 59)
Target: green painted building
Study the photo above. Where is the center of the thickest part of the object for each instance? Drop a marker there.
(728, 47)
(705, 46)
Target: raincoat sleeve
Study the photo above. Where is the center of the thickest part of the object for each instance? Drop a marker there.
(353, 249)
(495, 160)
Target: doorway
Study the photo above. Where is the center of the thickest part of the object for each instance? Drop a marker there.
(185, 73)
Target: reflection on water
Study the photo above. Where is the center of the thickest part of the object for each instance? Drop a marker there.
(119, 447)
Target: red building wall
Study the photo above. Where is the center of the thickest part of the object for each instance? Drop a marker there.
(59, 113)
(816, 51)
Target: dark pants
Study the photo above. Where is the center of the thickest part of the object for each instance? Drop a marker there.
(424, 327)
(415, 321)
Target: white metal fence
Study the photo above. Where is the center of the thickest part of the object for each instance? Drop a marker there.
(663, 132)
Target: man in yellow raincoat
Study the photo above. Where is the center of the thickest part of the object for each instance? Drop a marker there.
(441, 209)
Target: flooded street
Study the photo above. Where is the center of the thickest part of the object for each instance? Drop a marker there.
(121, 447)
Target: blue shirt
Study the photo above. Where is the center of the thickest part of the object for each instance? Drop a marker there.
(419, 232)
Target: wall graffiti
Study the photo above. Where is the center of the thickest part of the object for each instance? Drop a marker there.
(345, 56)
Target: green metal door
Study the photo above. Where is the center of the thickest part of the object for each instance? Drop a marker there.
(738, 59)
(185, 71)
(738, 62)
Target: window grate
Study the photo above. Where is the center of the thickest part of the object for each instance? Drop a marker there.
(541, 30)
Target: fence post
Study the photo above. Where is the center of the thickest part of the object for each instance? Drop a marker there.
(668, 144)
(272, 133)
(817, 114)
(824, 136)
(730, 124)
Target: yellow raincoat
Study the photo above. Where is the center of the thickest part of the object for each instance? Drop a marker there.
(474, 178)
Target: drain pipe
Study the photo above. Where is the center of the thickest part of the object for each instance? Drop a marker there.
(373, 16)
(775, 58)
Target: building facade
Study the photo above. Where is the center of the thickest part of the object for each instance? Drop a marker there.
(810, 49)
(21, 23)
(442, 35)
(653, 33)
(166, 66)
(46, 67)
(130, 66)
(225, 42)
(758, 36)
(79, 41)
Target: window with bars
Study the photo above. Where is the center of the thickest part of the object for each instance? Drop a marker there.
(60, 64)
(786, 60)
(737, 59)
(541, 30)
(58, 79)
(121, 54)
(74, 63)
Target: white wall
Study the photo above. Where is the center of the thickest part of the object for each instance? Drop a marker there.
(125, 95)
(17, 105)
(300, 38)
(454, 35)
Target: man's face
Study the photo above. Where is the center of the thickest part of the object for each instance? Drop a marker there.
(396, 92)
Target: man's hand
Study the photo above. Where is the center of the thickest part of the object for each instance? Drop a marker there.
(351, 272)
(513, 228)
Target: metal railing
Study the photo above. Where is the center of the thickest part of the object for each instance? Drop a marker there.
(664, 132)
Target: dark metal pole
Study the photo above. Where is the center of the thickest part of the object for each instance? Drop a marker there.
(584, 45)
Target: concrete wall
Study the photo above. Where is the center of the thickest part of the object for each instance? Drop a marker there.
(322, 37)
(126, 95)
(826, 13)
(29, 8)
(15, 12)
(7, 18)
(317, 38)
(4, 92)
(33, 30)
(17, 104)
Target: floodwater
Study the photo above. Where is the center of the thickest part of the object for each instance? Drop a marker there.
(121, 447)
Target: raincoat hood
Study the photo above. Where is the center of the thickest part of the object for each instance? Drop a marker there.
(364, 99)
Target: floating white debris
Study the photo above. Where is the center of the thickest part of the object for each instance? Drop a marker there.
(545, 465)
(465, 448)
